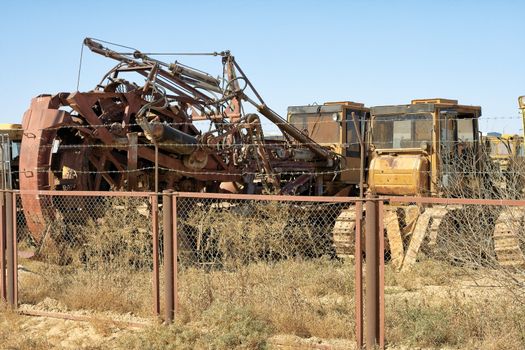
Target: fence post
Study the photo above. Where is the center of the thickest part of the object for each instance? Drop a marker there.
(381, 252)
(358, 256)
(372, 273)
(155, 237)
(168, 255)
(175, 254)
(15, 254)
(10, 275)
(3, 294)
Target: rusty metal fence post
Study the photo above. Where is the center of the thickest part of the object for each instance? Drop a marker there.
(15, 250)
(175, 250)
(381, 251)
(372, 273)
(3, 293)
(10, 250)
(358, 256)
(167, 200)
(155, 237)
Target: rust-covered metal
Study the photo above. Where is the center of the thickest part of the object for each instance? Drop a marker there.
(372, 275)
(169, 256)
(153, 125)
(155, 250)
(90, 140)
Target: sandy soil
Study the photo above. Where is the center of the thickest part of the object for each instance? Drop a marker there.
(99, 330)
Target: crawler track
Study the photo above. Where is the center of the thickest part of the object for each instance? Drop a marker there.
(344, 233)
(506, 237)
(404, 243)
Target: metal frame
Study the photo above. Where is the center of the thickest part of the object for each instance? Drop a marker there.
(11, 252)
(372, 273)
(381, 255)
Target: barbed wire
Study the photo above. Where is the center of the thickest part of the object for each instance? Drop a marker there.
(377, 145)
(160, 144)
(242, 173)
(218, 123)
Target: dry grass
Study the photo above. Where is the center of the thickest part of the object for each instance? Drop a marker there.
(221, 309)
(73, 289)
(233, 234)
(455, 322)
(250, 283)
(437, 305)
(426, 273)
(242, 309)
(97, 256)
(305, 298)
(220, 328)
(12, 334)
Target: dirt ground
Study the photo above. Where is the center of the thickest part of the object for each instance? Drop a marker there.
(432, 307)
(69, 334)
(102, 333)
(109, 330)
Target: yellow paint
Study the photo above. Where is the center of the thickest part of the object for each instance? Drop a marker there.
(405, 174)
(443, 101)
(13, 130)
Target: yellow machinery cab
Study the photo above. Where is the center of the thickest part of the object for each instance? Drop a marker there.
(338, 126)
(414, 148)
(10, 138)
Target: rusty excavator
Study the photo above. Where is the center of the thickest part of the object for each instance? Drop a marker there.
(128, 137)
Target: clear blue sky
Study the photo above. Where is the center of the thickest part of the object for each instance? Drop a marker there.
(295, 52)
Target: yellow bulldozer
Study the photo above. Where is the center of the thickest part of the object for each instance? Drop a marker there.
(10, 138)
(507, 156)
(430, 147)
(505, 149)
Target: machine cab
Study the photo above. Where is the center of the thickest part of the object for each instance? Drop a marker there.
(416, 149)
(337, 125)
(10, 138)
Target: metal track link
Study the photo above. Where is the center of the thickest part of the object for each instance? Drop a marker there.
(437, 215)
(431, 216)
(344, 233)
(506, 238)
(395, 238)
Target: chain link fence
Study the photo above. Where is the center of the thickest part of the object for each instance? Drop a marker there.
(285, 260)
(477, 235)
(219, 233)
(461, 282)
(288, 261)
(90, 252)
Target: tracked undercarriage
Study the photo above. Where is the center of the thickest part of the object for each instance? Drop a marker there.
(508, 237)
(412, 229)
